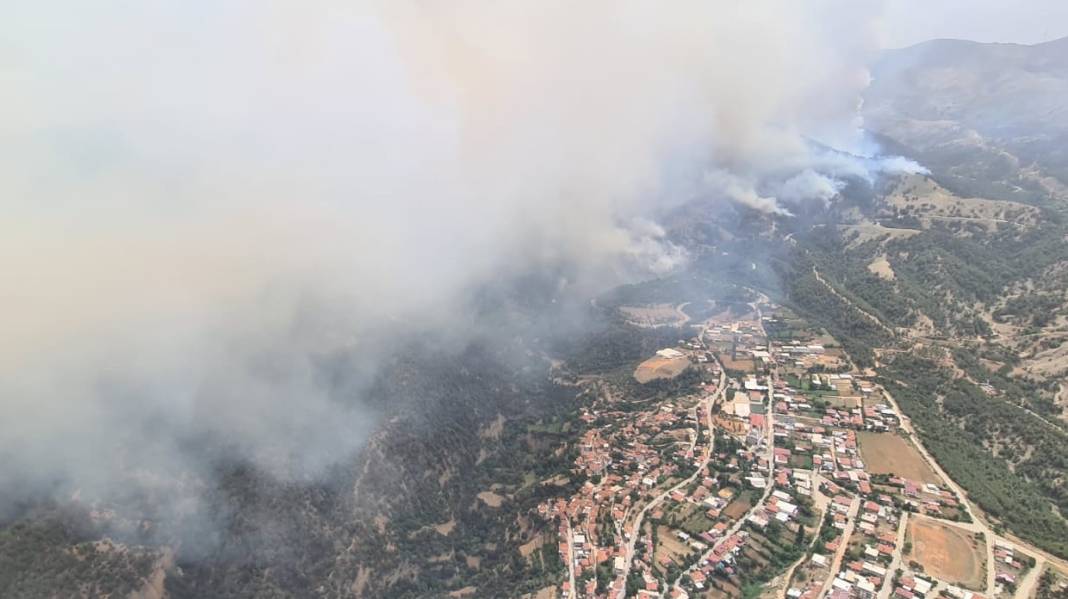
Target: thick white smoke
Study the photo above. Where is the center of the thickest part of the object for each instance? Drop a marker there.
(199, 197)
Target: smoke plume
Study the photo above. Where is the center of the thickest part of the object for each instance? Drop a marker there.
(202, 198)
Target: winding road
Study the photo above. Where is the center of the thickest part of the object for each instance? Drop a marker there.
(706, 456)
(770, 431)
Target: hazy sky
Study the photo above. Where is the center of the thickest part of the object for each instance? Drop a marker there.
(1021, 21)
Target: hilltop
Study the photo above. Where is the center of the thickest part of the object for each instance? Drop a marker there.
(990, 117)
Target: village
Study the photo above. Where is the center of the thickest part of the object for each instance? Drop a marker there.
(781, 471)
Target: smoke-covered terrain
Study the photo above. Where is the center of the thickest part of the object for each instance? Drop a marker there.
(202, 204)
(986, 112)
(288, 288)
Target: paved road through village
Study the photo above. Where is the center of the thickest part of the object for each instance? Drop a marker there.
(636, 528)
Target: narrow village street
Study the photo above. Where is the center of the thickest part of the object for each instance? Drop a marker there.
(636, 527)
(895, 561)
(822, 503)
(839, 555)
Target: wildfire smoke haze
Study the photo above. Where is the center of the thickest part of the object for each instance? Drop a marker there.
(200, 200)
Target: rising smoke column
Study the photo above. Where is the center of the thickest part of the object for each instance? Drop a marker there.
(200, 199)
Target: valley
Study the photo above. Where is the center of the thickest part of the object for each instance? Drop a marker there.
(545, 318)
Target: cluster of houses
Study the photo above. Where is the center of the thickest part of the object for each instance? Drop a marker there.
(808, 356)
(744, 336)
(801, 439)
(744, 462)
(778, 507)
(912, 586)
(713, 501)
(626, 457)
(924, 498)
(864, 555)
(817, 421)
(1009, 565)
(870, 549)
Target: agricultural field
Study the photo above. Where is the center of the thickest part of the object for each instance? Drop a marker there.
(889, 453)
(947, 552)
